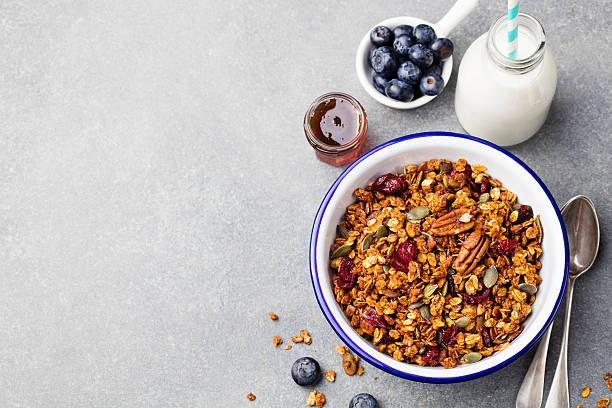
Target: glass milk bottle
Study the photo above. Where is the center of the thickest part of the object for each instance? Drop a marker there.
(503, 100)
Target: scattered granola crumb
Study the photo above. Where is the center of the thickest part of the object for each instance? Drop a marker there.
(341, 350)
(350, 363)
(297, 339)
(315, 350)
(579, 406)
(586, 391)
(273, 316)
(276, 340)
(315, 398)
(603, 403)
(288, 347)
(609, 382)
(250, 397)
(607, 376)
(306, 336)
(330, 376)
(375, 378)
(360, 371)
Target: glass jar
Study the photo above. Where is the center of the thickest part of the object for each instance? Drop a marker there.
(335, 126)
(506, 100)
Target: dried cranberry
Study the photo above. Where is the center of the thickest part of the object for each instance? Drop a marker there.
(484, 186)
(342, 284)
(486, 337)
(432, 354)
(448, 337)
(389, 184)
(374, 319)
(506, 245)
(451, 287)
(525, 212)
(403, 255)
(477, 298)
(386, 339)
(468, 177)
(346, 276)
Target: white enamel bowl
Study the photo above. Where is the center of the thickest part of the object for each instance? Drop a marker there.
(414, 149)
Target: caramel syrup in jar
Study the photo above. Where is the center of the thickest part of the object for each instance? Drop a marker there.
(335, 125)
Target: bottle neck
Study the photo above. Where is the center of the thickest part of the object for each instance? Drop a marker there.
(533, 45)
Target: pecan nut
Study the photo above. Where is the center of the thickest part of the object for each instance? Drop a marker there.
(455, 222)
(472, 251)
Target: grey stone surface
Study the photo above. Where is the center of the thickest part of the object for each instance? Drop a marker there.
(157, 194)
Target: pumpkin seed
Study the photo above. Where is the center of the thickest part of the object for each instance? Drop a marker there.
(516, 206)
(471, 357)
(381, 232)
(415, 305)
(342, 231)
(490, 276)
(451, 271)
(445, 288)
(367, 241)
(418, 213)
(421, 350)
(386, 268)
(484, 197)
(343, 250)
(527, 288)
(430, 289)
(424, 310)
(463, 322)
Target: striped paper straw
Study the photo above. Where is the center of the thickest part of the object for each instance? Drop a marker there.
(513, 8)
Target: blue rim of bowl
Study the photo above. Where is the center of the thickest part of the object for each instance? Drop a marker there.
(314, 276)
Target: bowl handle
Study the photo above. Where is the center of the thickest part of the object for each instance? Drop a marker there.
(454, 16)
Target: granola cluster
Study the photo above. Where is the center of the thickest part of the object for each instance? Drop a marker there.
(437, 265)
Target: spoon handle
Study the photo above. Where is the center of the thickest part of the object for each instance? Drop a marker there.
(532, 388)
(558, 397)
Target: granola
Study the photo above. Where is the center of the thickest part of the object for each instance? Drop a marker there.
(250, 396)
(440, 270)
(315, 398)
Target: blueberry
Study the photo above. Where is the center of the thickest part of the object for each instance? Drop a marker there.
(399, 90)
(421, 56)
(409, 73)
(442, 48)
(384, 61)
(379, 82)
(424, 34)
(437, 68)
(363, 401)
(381, 35)
(403, 29)
(402, 45)
(305, 371)
(431, 84)
(370, 53)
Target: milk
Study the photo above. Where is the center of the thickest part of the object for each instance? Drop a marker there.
(506, 102)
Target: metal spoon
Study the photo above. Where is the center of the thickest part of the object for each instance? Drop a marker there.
(582, 228)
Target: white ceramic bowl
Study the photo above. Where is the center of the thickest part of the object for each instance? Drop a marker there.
(364, 71)
(414, 149)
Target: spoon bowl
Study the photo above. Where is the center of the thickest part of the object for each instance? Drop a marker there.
(582, 227)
